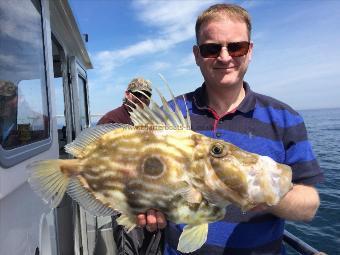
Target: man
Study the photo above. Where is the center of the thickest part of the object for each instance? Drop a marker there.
(132, 96)
(225, 107)
(139, 240)
(8, 111)
(19, 123)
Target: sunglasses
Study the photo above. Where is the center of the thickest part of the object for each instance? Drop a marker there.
(213, 50)
(140, 95)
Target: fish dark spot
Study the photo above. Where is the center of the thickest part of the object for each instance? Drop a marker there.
(153, 167)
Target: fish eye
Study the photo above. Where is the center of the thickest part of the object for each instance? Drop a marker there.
(217, 150)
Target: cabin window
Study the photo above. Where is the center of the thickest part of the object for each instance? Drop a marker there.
(23, 99)
(24, 117)
(84, 122)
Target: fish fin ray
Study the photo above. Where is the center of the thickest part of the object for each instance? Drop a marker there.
(89, 135)
(88, 200)
(192, 238)
(156, 115)
(136, 117)
(142, 114)
(177, 109)
(174, 119)
(48, 181)
(159, 112)
(188, 120)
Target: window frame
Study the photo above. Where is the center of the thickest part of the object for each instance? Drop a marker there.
(76, 71)
(11, 157)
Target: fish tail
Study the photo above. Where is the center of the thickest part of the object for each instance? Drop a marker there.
(48, 180)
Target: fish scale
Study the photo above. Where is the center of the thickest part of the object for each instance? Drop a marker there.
(160, 163)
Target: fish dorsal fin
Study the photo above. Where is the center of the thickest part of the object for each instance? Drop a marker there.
(192, 238)
(89, 135)
(185, 122)
(161, 116)
(88, 201)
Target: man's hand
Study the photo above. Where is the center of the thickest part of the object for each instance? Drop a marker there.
(152, 220)
(299, 204)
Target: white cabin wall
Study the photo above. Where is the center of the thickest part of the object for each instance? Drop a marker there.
(20, 220)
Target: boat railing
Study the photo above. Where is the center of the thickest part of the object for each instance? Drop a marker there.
(300, 246)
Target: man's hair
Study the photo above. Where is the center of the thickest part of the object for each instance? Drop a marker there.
(219, 11)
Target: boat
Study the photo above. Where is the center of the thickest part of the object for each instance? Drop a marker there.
(43, 72)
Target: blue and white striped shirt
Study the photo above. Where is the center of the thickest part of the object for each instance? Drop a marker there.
(261, 125)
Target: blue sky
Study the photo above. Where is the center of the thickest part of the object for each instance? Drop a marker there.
(296, 56)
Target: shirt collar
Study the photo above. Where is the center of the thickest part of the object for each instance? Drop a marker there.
(248, 103)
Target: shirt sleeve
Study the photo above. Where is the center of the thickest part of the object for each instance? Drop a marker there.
(300, 156)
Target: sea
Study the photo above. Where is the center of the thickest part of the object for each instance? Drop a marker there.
(323, 232)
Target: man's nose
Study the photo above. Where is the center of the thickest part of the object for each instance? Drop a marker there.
(224, 54)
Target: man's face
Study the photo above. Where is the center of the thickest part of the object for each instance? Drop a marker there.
(224, 70)
(136, 97)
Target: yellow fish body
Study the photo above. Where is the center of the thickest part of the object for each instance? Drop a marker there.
(160, 163)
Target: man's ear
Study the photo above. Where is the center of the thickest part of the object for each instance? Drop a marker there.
(196, 52)
(128, 95)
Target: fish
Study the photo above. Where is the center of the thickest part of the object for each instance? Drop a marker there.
(160, 163)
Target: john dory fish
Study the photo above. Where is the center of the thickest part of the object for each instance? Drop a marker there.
(160, 163)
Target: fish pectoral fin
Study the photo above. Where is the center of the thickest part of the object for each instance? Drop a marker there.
(126, 222)
(191, 195)
(192, 238)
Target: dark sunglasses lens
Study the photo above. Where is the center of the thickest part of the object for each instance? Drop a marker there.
(238, 49)
(210, 50)
(140, 95)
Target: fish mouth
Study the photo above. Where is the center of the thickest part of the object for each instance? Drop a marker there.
(268, 181)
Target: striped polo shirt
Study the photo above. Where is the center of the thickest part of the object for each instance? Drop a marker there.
(262, 125)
